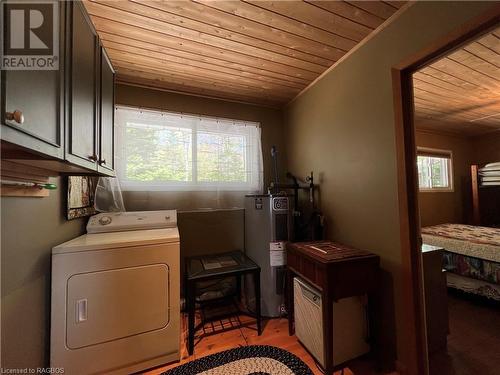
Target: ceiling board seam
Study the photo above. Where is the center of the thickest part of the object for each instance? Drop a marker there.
(464, 117)
(209, 69)
(429, 108)
(199, 95)
(389, 3)
(354, 49)
(487, 47)
(209, 81)
(481, 58)
(444, 97)
(198, 54)
(130, 76)
(448, 100)
(224, 66)
(205, 45)
(215, 36)
(205, 90)
(353, 3)
(299, 21)
(178, 80)
(207, 4)
(448, 82)
(459, 93)
(344, 17)
(203, 68)
(471, 68)
(453, 75)
(241, 33)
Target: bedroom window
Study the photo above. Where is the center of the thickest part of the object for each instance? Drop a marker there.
(434, 170)
(179, 152)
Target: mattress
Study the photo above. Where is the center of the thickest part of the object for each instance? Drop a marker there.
(475, 268)
(470, 251)
(468, 240)
(468, 285)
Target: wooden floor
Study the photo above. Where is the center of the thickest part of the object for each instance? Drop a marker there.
(474, 339)
(275, 333)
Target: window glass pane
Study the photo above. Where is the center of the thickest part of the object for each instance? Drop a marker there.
(158, 153)
(174, 151)
(438, 171)
(424, 180)
(221, 157)
(433, 172)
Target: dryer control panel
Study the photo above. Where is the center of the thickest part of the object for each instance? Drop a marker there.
(134, 220)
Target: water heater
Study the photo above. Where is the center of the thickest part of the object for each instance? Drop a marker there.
(267, 229)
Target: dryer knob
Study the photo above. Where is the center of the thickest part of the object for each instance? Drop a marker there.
(105, 220)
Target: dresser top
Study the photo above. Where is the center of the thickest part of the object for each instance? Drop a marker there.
(328, 251)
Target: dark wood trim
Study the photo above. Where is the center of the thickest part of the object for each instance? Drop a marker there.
(476, 215)
(108, 169)
(412, 278)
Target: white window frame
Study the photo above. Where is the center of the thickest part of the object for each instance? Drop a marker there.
(443, 154)
(253, 184)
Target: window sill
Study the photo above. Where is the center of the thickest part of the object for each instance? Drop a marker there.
(436, 190)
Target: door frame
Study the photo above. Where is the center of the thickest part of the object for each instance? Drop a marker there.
(409, 217)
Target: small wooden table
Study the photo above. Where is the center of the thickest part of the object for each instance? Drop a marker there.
(339, 272)
(202, 268)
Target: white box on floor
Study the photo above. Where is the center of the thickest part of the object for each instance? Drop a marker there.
(350, 324)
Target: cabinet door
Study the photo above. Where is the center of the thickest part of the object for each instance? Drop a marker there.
(38, 97)
(81, 142)
(106, 119)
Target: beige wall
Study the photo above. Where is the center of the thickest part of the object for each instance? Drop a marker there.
(343, 129)
(487, 148)
(30, 228)
(455, 207)
(447, 207)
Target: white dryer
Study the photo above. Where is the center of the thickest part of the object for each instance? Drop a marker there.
(115, 295)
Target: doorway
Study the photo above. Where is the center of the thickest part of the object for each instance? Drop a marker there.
(436, 163)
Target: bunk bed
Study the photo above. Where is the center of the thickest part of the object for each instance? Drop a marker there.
(472, 252)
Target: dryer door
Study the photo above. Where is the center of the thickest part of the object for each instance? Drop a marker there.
(113, 304)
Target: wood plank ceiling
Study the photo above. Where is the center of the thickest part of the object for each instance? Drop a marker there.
(262, 52)
(461, 92)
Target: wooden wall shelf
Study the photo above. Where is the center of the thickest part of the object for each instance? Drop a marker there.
(27, 177)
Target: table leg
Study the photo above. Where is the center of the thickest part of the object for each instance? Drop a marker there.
(371, 308)
(256, 281)
(289, 301)
(238, 287)
(328, 332)
(191, 306)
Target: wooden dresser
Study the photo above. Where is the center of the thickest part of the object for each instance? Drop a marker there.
(338, 271)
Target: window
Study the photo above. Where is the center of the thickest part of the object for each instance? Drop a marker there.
(434, 170)
(172, 151)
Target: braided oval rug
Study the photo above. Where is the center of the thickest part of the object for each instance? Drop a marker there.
(246, 360)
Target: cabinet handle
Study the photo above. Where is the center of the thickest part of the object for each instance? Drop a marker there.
(16, 116)
(93, 158)
(103, 162)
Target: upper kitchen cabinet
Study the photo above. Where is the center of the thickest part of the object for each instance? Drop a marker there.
(32, 107)
(62, 120)
(106, 115)
(83, 74)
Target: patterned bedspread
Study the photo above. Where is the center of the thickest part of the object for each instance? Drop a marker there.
(472, 267)
(468, 240)
(470, 251)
